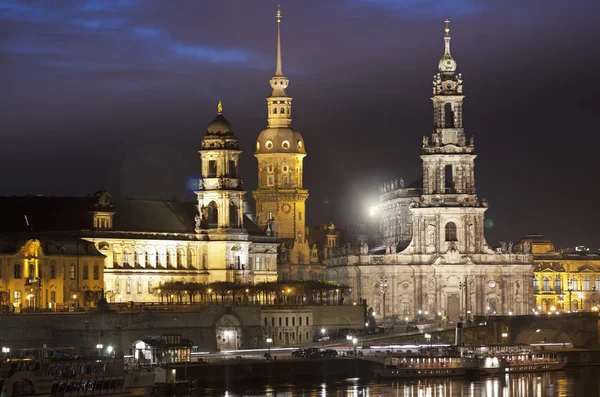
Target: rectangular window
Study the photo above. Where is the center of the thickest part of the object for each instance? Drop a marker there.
(287, 321)
(96, 271)
(280, 323)
(307, 322)
(300, 321)
(128, 287)
(299, 216)
(212, 168)
(272, 321)
(293, 321)
(232, 169)
(257, 263)
(52, 269)
(270, 180)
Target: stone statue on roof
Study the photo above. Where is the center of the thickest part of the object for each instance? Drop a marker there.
(526, 247)
(103, 199)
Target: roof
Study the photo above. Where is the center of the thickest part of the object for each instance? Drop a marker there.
(280, 140)
(50, 245)
(219, 126)
(46, 214)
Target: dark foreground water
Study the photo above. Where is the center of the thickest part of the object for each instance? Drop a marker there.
(580, 382)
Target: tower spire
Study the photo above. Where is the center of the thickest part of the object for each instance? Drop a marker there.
(278, 71)
(447, 63)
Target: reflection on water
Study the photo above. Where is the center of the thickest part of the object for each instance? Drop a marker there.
(580, 382)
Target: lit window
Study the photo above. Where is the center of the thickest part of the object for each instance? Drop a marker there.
(72, 272)
(285, 144)
(269, 145)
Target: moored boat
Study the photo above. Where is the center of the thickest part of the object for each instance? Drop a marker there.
(425, 367)
(519, 363)
(56, 372)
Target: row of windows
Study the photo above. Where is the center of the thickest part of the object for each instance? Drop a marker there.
(141, 257)
(85, 274)
(212, 169)
(128, 287)
(287, 321)
(292, 335)
(18, 296)
(572, 284)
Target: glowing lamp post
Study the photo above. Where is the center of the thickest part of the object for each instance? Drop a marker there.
(99, 346)
(269, 343)
(109, 350)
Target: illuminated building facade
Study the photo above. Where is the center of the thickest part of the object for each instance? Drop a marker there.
(280, 196)
(563, 281)
(49, 273)
(445, 268)
(143, 243)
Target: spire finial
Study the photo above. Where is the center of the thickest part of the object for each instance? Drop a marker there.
(447, 27)
(278, 71)
(220, 108)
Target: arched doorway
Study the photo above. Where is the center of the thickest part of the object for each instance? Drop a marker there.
(229, 333)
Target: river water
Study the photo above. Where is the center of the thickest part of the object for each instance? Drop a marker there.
(580, 382)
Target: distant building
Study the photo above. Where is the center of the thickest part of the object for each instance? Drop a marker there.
(281, 195)
(435, 261)
(49, 273)
(148, 242)
(566, 280)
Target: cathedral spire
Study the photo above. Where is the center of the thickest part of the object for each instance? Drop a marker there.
(447, 63)
(278, 71)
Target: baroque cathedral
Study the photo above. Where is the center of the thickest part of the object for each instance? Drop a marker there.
(435, 261)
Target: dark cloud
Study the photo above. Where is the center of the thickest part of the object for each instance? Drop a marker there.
(117, 95)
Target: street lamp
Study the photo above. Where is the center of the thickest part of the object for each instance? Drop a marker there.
(354, 340)
(109, 349)
(269, 343)
(383, 286)
(428, 337)
(99, 346)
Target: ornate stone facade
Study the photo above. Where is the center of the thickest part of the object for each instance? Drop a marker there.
(280, 196)
(446, 268)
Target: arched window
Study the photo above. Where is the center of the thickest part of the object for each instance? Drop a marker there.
(169, 258)
(213, 215)
(52, 269)
(282, 111)
(573, 284)
(557, 284)
(85, 273)
(587, 305)
(274, 111)
(586, 284)
(31, 273)
(72, 272)
(448, 179)
(448, 116)
(17, 296)
(451, 231)
(136, 259)
(535, 284)
(233, 215)
(157, 259)
(180, 258)
(546, 284)
(17, 270)
(190, 259)
(115, 258)
(575, 305)
(96, 271)
(53, 296)
(125, 258)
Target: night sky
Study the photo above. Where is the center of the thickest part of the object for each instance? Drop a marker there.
(116, 95)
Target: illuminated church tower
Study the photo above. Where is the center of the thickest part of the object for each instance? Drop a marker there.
(280, 197)
(449, 216)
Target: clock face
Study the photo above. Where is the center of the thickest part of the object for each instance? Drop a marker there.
(286, 208)
(492, 284)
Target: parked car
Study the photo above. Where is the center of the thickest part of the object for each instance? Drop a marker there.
(329, 353)
(324, 339)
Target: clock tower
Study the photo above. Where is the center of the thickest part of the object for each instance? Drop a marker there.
(280, 197)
